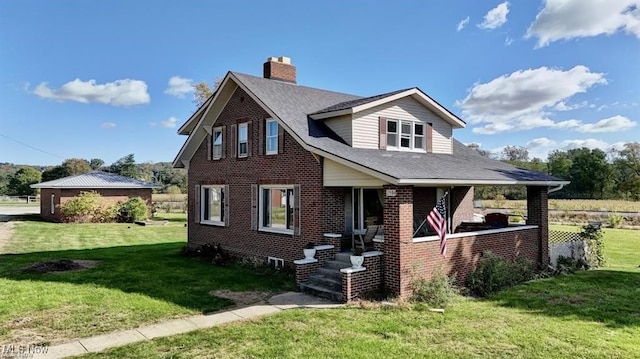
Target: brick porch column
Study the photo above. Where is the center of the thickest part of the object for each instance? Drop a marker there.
(538, 214)
(398, 237)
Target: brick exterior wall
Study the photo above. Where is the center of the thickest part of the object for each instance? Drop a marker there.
(398, 236)
(538, 214)
(357, 283)
(461, 203)
(113, 195)
(279, 71)
(294, 166)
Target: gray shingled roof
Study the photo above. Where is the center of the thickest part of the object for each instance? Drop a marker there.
(293, 104)
(361, 101)
(95, 179)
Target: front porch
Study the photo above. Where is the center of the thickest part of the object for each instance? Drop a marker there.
(402, 253)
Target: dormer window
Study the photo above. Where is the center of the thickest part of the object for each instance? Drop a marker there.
(405, 135)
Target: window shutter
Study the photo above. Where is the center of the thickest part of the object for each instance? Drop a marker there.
(209, 146)
(233, 139)
(429, 140)
(382, 125)
(196, 201)
(280, 139)
(297, 213)
(224, 142)
(254, 207)
(226, 205)
(249, 139)
(261, 136)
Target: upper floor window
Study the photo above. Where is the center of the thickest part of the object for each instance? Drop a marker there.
(217, 143)
(243, 133)
(405, 135)
(272, 137)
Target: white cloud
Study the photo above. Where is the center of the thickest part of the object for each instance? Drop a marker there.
(523, 99)
(612, 124)
(125, 92)
(563, 106)
(496, 17)
(508, 41)
(169, 123)
(542, 146)
(179, 86)
(569, 19)
(462, 24)
(108, 125)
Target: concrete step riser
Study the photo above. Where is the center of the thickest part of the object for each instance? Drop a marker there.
(336, 265)
(344, 257)
(331, 273)
(322, 292)
(325, 282)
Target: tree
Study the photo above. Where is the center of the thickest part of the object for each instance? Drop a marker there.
(590, 172)
(76, 166)
(476, 146)
(515, 154)
(202, 91)
(21, 180)
(126, 166)
(96, 163)
(53, 173)
(627, 171)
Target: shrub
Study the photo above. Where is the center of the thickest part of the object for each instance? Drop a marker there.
(134, 209)
(592, 234)
(615, 220)
(570, 265)
(88, 207)
(438, 291)
(494, 273)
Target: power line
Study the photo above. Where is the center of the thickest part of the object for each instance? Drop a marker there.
(32, 147)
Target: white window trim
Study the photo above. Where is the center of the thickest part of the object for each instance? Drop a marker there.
(398, 134)
(203, 203)
(213, 145)
(266, 135)
(246, 141)
(261, 210)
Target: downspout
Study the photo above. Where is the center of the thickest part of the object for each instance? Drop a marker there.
(555, 189)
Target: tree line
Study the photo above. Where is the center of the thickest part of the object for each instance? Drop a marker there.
(594, 173)
(16, 180)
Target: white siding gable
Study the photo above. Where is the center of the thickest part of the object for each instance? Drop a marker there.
(365, 131)
(337, 175)
(341, 125)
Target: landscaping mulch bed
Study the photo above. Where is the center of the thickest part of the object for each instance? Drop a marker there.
(61, 265)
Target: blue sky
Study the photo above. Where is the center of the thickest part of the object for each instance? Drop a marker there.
(102, 79)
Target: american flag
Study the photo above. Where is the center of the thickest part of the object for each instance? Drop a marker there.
(437, 220)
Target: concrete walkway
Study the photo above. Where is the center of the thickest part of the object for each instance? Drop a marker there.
(289, 300)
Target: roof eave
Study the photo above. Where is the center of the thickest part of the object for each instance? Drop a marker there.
(330, 114)
(476, 182)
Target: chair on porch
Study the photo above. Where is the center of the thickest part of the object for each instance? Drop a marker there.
(366, 239)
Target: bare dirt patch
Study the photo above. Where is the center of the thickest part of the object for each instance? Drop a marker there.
(6, 231)
(61, 265)
(243, 298)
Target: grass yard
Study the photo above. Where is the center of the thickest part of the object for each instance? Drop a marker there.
(570, 205)
(593, 314)
(140, 278)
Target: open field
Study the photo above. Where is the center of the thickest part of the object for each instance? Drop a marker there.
(591, 314)
(139, 278)
(570, 205)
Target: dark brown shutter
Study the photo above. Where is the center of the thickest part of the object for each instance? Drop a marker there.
(226, 206)
(297, 212)
(261, 136)
(224, 142)
(233, 140)
(249, 139)
(196, 204)
(280, 139)
(429, 140)
(254, 207)
(209, 146)
(382, 124)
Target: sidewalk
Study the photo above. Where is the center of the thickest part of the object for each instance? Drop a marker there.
(289, 300)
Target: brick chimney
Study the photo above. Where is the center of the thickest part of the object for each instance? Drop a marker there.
(280, 68)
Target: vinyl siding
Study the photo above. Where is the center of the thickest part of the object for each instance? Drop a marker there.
(341, 126)
(365, 124)
(335, 174)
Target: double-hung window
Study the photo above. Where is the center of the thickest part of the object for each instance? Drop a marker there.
(272, 137)
(217, 143)
(276, 208)
(212, 199)
(243, 135)
(405, 135)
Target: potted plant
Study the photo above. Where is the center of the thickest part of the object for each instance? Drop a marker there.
(309, 250)
(356, 257)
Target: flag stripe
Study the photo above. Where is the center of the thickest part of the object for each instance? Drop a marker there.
(437, 221)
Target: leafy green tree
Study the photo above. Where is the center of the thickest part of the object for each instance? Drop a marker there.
(96, 163)
(515, 154)
(53, 173)
(76, 166)
(126, 166)
(21, 180)
(627, 171)
(476, 147)
(590, 173)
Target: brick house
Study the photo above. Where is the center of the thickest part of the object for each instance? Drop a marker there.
(110, 186)
(273, 165)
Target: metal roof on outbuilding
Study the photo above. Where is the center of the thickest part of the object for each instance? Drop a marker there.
(95, 179)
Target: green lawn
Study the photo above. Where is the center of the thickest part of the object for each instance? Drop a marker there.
(140, 278)
(594, 314)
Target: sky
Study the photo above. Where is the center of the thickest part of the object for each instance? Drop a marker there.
(106, 78)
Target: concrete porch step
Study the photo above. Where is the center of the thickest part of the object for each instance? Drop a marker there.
(336, 265)
(326, 282)
(322, 292)
(344, 257)
(332, 273)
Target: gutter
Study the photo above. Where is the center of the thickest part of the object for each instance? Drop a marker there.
(554, 189)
